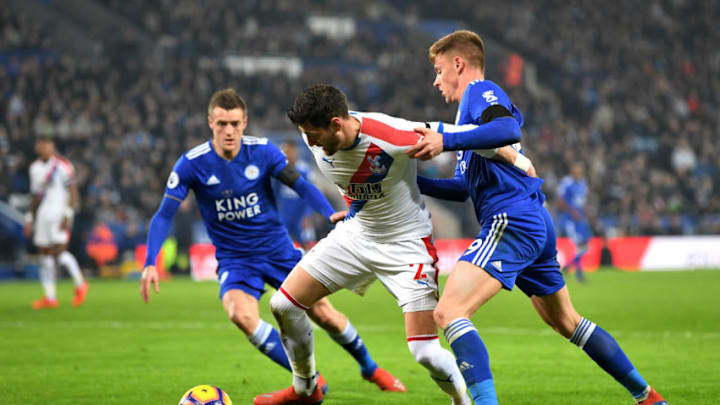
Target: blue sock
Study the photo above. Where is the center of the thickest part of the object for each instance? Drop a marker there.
(605, 351)
(473, 360)
(267, 340)
(350, 340)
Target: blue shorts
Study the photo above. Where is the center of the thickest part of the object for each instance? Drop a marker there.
(517, 247)
(250, 274)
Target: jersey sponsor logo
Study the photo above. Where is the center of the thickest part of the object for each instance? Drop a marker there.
(212, 181)
(173, 180)
(233, 208)
(252, 172)
(365, 191)
(490, 97)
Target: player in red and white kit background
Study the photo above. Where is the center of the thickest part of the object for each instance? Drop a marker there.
(49, 221)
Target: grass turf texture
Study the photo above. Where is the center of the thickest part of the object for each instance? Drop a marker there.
(116, 349)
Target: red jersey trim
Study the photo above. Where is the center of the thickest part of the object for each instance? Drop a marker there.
(387, 133)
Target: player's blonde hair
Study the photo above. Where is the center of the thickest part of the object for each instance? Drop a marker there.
(227, 99)
(465, 43)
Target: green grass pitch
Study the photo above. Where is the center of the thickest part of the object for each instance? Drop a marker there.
(118, 350)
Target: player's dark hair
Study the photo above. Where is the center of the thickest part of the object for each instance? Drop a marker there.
(227, 99)
(466, 43)
(317, 105)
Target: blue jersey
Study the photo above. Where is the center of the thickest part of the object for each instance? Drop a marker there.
(235, 197)
(491, 184)
(574, 193)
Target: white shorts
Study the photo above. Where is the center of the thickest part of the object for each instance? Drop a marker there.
(47, 231)
(406, 268)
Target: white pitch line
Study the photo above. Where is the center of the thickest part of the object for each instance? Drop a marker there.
(503, 331)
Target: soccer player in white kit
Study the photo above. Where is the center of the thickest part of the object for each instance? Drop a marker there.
(54, 200)
(386, 235)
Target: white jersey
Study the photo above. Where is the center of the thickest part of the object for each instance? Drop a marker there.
(378, 181)
(50, 180)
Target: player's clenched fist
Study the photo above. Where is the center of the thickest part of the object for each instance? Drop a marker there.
(149, 276)
(429, 146)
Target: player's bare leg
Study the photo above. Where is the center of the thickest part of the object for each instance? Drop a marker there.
(242, 309)
(47, 280)
(290, 304)
(467, 289)
(423, 342)
(557, 311)
(342, 331)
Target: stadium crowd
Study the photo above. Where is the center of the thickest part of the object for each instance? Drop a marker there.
(630, 92)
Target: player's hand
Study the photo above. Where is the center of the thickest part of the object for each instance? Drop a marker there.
(338, 216)
(429, 146)
(149, 275)
(531, 171)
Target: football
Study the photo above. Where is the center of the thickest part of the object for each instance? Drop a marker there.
(205, 395)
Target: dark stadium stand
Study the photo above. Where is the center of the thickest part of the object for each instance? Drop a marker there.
(632, 92)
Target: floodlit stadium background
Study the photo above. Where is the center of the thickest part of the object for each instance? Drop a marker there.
(630, 89)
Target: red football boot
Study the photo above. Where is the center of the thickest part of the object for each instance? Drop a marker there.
(653, 399)
(288, 396)
(322, 384)
(386, 381)
(45, 303)
(80, 293)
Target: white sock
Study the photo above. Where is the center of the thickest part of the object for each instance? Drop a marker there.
(68, 260)
(441, 364)
(47, 276)
(297, 337)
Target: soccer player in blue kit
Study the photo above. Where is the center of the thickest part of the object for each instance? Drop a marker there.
(231, 177)
(516, 244)
(572, 195)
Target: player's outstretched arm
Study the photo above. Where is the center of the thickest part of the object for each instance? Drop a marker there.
(157, 232)
(452, 189)
(308, 192)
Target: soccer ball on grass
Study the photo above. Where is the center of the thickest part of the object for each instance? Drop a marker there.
(205, 395)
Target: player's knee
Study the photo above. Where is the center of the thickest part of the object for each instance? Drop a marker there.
(243, 319)
(443, 317)
(281, 307)
(277, 306)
